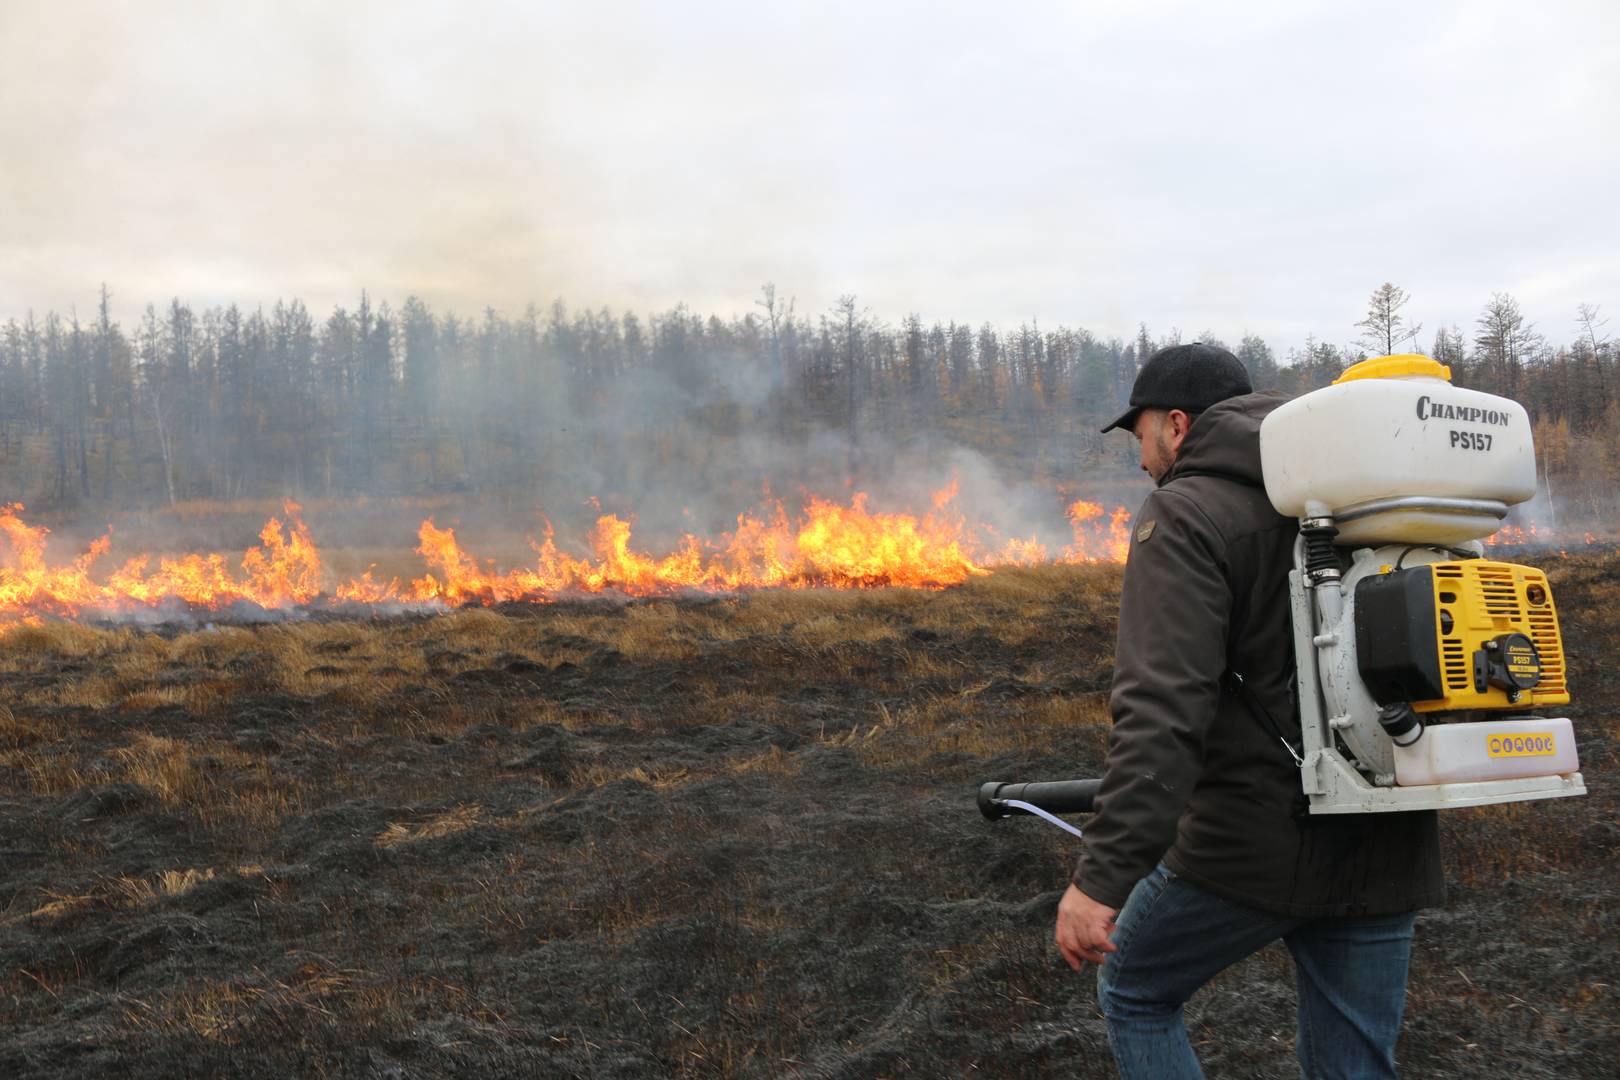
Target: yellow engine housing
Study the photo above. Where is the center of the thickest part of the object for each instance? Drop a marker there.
(1493, 598)
(1425, 634)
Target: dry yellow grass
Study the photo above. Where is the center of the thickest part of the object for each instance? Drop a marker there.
(252, 1009)
(55, 640)
(126, 891)
(448, 823)
(476, 629)
(176, 771)
(832, 629)
(813, 616)
(951, 725)
(354, 667)
(1019, 605)
(17, 733)
(359, 668)
(155, 697)
(656, 631)
(88, 692)
(295, 666)
(729, 705)
(772, 762)
(217, 647)
(44, 773)
(140, 659)
(596, 773)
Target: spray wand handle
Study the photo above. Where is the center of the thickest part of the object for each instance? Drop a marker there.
(1052, 796)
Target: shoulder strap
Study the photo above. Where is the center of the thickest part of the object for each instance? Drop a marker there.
(1257, 708)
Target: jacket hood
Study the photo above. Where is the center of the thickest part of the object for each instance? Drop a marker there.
(1225, 439)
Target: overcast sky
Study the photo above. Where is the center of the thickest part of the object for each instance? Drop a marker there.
(1256, 166)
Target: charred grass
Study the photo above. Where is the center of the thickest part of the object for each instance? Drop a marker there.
(698, 837)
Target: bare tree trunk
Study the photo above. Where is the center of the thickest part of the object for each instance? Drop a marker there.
(82, 453)
(167, 451)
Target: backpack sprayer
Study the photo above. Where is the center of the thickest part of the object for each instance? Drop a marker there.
(1418, 661)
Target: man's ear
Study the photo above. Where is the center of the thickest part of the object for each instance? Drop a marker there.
(1179, 423)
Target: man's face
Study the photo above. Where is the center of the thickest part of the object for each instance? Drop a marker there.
(1156, 431)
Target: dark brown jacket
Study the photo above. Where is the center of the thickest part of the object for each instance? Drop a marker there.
(1194, 776)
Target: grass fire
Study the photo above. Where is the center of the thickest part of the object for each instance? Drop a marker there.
(827, 545)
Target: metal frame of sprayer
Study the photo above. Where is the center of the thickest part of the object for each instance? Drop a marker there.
(1339, 710)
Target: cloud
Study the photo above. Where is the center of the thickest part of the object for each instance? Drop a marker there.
(1102, 164)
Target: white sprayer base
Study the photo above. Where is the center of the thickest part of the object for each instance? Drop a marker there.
(1334, 787)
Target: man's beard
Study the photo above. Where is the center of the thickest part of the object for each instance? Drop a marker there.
(1165, 456)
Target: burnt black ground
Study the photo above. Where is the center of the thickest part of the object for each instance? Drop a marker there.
(556, 852)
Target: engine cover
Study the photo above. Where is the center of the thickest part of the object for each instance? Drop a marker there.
(1469, 634)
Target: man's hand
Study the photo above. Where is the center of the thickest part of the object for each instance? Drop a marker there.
(1083, 926)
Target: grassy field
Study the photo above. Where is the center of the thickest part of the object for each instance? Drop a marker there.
(706, 837)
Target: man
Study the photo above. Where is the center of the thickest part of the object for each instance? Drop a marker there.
(1201, 850)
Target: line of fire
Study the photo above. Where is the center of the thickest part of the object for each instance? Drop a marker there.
(826, 544)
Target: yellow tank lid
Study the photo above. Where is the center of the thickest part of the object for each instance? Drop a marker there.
(1403, 365)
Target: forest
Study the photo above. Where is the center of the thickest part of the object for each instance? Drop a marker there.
(563, 403)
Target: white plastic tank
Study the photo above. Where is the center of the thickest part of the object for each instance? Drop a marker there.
(1395, 428)
(1488, 750)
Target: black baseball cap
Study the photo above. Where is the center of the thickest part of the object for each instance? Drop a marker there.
(1187, 377)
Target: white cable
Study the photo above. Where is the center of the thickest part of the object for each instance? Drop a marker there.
(1038, 812)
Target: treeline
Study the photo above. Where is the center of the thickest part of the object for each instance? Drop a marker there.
(230, 404)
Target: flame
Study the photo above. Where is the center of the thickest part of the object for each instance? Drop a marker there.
(285, 571)
(1091, 542)
(1513, 536)
(28, 584)
(829, 544)
(1546, 540)
(1021, 552)
(838, 546)
(1531, 536)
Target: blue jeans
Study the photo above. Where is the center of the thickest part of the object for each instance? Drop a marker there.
(1173, 937)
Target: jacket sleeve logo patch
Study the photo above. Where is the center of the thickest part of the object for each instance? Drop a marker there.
(1143, 531)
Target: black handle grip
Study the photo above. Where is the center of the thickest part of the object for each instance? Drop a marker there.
(1053, 796)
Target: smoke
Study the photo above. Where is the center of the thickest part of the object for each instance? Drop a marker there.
(1549, 521)
(592, 467)
(234, 154)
